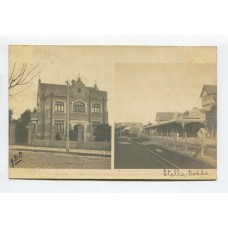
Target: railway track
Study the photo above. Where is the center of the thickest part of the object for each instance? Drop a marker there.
(164, 162)
(172, 161)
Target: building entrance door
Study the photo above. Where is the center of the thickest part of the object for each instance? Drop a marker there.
(79, 132)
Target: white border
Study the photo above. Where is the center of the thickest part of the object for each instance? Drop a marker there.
(221, 185)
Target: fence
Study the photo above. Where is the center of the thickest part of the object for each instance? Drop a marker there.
(88, 145)
(197, 146)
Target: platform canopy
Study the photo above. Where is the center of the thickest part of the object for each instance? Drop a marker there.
(181, 122)
(188, 127)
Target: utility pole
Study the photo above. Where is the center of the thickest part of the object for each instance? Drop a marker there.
(51, 112)
(68, 118)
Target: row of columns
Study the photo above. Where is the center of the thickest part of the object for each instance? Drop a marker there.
(179, 130)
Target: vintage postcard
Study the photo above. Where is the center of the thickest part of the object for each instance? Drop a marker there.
(113, 112)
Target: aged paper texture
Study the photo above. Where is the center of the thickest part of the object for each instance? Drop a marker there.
(113, 112)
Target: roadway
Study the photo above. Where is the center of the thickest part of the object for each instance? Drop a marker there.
(21, 158)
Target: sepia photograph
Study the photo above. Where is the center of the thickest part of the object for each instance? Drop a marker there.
(167, 110)
(112, 112)
(58, 109)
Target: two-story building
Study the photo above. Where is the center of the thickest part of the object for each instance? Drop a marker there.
(87, 109)
(209, 104)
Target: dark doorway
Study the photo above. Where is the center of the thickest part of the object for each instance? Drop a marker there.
(78, 133)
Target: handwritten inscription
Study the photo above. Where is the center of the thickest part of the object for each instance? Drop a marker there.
(17, 158)
(184, 173)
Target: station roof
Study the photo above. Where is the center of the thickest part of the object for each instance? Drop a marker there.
(177, 121)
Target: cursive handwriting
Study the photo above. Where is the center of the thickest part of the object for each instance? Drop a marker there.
(184, 173)
(198, 172)
(174, 173)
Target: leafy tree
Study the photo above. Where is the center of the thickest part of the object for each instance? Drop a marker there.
(21, 132)
(10, 115)
(103, 133)
(186, 112)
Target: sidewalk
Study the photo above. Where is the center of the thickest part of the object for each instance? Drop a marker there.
(61, 150)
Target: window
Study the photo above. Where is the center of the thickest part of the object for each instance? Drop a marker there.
(96, 108)
(79, 90)
(59, 106)
(95, 123)
(78, 106)
(60, 126)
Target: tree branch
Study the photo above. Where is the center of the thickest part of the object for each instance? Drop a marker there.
(11, 76)
(23, 77)
(11, 95)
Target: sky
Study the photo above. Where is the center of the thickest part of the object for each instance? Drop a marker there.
(140, 80)
(145, 89)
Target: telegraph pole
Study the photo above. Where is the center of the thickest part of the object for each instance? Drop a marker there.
(68, 118)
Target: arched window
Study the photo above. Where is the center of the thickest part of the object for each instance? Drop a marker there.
(96, 108)
(78, 106)
(59, 106)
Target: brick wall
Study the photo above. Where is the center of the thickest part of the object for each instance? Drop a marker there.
(73, 144)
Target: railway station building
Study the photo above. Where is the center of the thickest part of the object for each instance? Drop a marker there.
(188, 124)
(177, 124)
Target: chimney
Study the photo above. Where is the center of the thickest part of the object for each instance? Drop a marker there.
(95, 86)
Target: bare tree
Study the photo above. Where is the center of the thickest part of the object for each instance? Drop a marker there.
(23, 77)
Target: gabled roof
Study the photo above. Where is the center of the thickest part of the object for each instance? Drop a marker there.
(55, 89)
(61, 90)
(210, 90)
(164, 116)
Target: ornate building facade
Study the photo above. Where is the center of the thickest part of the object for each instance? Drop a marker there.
(87, 109)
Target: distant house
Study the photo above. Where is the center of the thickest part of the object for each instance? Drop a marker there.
(195, 113)
(209, 104)
(209, 96)
(163, 117)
